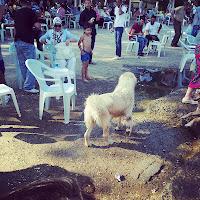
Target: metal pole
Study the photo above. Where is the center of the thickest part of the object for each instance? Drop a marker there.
(129, 7)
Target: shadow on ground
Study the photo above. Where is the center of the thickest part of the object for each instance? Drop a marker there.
(11, 181)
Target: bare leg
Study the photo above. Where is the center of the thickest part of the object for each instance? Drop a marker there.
(87, 73)
(188, 94)
(84, 71)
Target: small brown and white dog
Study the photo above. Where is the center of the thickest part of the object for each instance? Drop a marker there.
(196, 113)
(101, 109)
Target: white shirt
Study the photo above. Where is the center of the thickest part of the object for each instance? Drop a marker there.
(120, 19)
(152, 29)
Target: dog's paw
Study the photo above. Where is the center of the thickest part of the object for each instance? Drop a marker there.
(87, 144)
(117, 128)
(190, 124)
(128, 131)
(110, 141)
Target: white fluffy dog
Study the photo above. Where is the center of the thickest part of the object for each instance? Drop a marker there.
(100, 109)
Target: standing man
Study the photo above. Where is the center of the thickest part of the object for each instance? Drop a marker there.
(119, 24)
(179, 14)
(25, 19)
(88, 16)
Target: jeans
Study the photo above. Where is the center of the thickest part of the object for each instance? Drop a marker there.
(26, 51)
(118, 40)
(142, 43)
(151, 38)
(195, 30)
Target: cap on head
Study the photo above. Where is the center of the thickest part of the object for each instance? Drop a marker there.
(57, 20)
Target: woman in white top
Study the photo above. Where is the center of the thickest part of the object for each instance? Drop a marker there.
(55, 36)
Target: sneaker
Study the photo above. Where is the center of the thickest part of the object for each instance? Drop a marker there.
(189, 101)
(174, 45)
(117, 58)
(33, 91)
(140, 54)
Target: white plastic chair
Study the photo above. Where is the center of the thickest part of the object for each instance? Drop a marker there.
(2, 33)
(71, 66)
(5, 90)
(132, 45)
(44, 27)
(127, 19)
(109, 25)
(159, 45)
(185, 58)
(168, 20)
(11, 30)
(56, 89)
(49, 20)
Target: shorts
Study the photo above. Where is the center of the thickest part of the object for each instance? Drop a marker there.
(86, 57)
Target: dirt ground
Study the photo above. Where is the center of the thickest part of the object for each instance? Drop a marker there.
(160, 160)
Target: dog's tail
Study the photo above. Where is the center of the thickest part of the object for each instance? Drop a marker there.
(95, 112)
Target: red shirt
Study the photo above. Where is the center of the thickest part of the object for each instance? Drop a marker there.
(137, 27)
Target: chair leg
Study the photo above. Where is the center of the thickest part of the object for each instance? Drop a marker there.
(180, 79)
(73, 101)
(41, 105)
(66, 103)
(2, 35)
(15, 103)
(159, 51)
(128, 47)
(148, 49)
(47, 103)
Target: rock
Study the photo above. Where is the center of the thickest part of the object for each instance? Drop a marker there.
(119, 177)
(149, 172)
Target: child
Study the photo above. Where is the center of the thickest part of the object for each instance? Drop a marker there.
(195, 82)
(86, 51)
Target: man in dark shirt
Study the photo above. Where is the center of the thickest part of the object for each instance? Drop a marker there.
(136, 30)
(25, 19)
(88, 16)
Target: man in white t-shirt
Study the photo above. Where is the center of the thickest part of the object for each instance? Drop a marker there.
(120, 17)
(152, 30)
